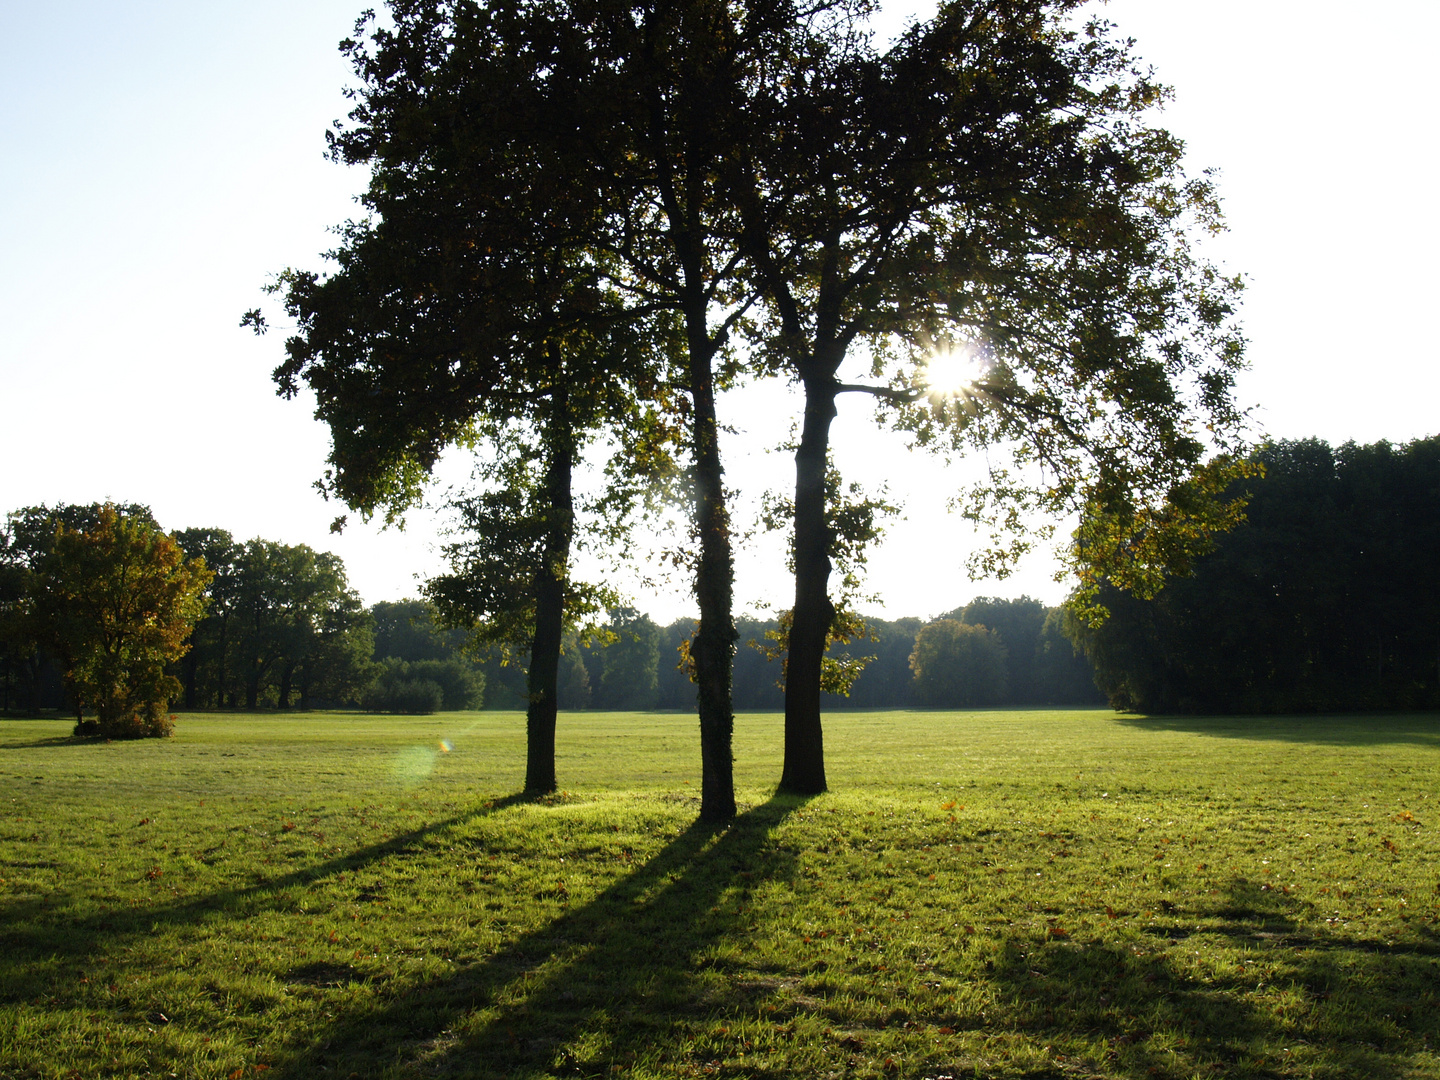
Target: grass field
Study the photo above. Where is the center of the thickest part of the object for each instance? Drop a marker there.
(991, 894)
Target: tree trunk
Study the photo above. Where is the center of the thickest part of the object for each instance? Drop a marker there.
(287, 676)
(713, 649)
(220, 676)
(550, 581)
(804, 769)
(192, 674)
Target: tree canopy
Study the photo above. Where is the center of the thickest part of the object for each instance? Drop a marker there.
(1326, 597)
(116, 602)
(580, 212)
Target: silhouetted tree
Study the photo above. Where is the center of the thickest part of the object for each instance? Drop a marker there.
(991, 186)
(1326, 598)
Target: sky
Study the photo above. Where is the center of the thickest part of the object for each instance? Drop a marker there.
(161, 161)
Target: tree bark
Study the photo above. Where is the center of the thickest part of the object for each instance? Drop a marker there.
(544, 675)
(713, 649)
(286, 679)
(192, 673)
(220, 676)
(813, 613)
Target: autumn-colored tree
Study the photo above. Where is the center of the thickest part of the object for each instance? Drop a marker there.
(116, 603)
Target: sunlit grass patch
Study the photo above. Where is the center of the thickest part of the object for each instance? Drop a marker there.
(994, 894)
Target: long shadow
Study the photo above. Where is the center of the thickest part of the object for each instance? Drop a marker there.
(604, 984)
(52, 741)
(33, 942)
(1331, 729)
(1337, 1005)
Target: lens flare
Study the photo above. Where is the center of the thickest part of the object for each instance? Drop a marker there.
(413, 765)
(445, 746)
(953, 371)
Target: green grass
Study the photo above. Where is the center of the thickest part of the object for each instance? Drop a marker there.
(1026, 894)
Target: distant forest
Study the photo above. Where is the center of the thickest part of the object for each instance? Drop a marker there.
(1326, 598)
(284, 630)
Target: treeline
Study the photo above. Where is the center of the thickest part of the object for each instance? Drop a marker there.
(990, 652)
(1327, 598)
(283, 629)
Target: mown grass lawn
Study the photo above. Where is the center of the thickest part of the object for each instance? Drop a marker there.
(992, 894)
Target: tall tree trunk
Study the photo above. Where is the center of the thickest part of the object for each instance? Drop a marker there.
(804, 769)
(287, 676)
(220, 676)
(550, 581)
(713, 649)
(192, 672)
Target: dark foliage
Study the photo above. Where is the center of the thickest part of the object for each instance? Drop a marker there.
(1327, 598)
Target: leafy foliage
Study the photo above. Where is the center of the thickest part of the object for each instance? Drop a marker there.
(116, 602)
(1326, 598)
(958, 665)
(424, 686)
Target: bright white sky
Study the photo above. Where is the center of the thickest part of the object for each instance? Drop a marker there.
(163, 159)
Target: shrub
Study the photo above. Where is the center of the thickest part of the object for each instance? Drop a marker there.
(154, 724)
(400, 688)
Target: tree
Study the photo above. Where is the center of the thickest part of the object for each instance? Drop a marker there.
(116, 603)
(297, 627)
(1325, 599)
(410, 630)
(204, 666)
(958, 666)
(1018, 624)
(27, 538)
(576, 139)
(626, 675)
(470, 308)
(1063, 676)
(989, 196)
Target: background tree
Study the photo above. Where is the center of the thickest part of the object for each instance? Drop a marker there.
(1062, 673)
(1325, 599)
(958, 666)
(1018, 624)
(28, 671)
(203, 670)
(624, 671)
(116, 602)
(410, 630)
(297, 626)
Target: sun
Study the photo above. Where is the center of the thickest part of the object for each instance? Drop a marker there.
(952, 371)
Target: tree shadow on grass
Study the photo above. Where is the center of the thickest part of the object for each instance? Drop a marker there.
(53, 741)
(1294, 1003)
(1355, 729)
(33, 943)
(625, 977)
